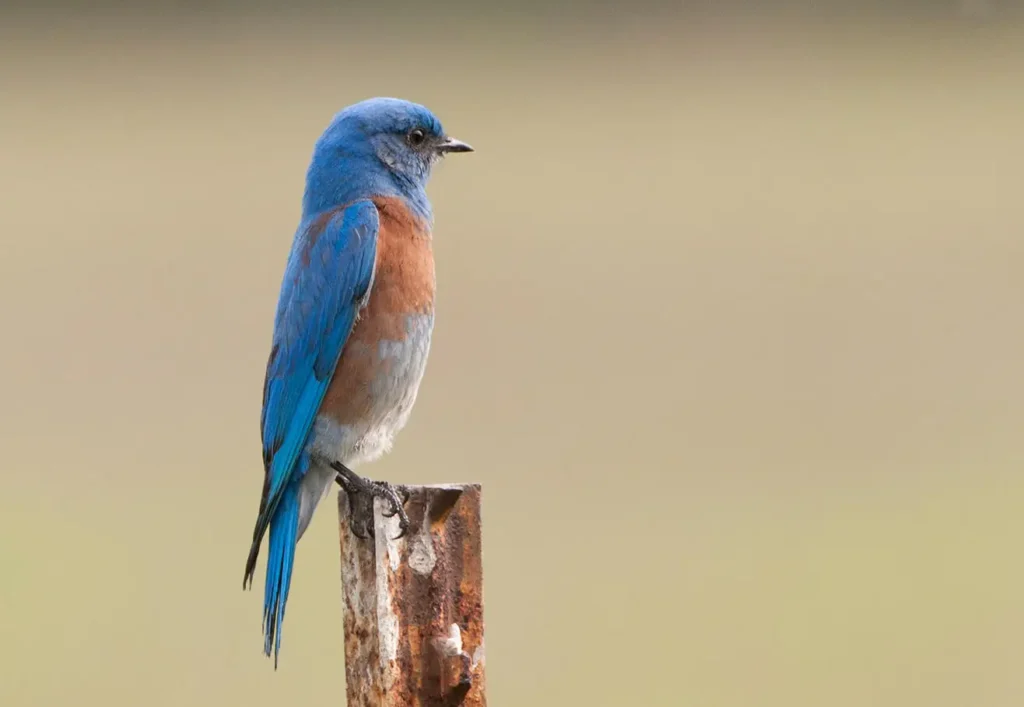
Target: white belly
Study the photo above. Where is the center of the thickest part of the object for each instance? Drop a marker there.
(393, 392)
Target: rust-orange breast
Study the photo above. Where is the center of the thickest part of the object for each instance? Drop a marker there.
(401, 302)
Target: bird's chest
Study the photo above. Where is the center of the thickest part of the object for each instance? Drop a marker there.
(382, 363)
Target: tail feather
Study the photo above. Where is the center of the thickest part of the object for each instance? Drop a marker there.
(281, 556)
(284, 516)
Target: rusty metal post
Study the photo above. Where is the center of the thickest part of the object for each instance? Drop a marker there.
(414, 628)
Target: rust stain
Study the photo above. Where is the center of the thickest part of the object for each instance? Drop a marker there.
(439, 615)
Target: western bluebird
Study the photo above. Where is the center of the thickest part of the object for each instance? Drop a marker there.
(352, 329)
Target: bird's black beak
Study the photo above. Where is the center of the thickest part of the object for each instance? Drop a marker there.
(450, 144)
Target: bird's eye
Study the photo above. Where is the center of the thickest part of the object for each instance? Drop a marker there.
(416, 137)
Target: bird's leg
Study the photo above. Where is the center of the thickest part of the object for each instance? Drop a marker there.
(361, 492)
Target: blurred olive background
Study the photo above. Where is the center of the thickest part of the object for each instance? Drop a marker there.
(730, 328)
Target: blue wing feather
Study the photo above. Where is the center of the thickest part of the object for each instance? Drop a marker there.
(328, 276)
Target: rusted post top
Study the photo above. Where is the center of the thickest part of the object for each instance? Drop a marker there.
(414, 630)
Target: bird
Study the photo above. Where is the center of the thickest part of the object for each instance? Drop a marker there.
(351, 331)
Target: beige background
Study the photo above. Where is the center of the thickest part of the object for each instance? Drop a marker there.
(730, 328)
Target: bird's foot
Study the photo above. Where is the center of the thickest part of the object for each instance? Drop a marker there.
(361, 492)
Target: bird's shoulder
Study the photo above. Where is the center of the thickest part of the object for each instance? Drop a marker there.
(358, 219)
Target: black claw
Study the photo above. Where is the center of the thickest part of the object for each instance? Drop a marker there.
(388, 492)
(358, 533)
(366, 527)
(358, 514)
(361, 493)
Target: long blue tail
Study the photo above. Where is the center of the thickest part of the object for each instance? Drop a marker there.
(284, 526)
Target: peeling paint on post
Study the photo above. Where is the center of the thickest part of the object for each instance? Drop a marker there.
(414, 629)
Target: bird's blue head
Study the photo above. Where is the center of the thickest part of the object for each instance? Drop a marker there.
(378, 147)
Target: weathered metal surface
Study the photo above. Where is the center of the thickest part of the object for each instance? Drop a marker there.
(413, 615)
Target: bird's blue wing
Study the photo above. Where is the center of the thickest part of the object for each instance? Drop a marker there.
(328, 278)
